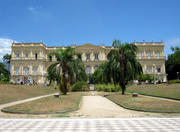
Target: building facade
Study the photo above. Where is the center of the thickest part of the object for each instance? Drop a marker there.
(30, 61)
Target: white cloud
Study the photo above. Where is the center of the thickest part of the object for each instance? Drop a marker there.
(31, 8)
(34, 9)
(5, 46)
(171, 43)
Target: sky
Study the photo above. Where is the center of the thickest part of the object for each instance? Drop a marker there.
(67, 22)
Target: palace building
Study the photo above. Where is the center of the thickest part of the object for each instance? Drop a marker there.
(30, 61)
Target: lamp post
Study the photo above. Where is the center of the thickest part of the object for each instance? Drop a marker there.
(159, 78)
(154, 72)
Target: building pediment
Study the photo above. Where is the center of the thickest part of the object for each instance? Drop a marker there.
(89, 46)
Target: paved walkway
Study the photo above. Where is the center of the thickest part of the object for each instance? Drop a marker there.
(23, 101)
(98, 106)
(91, 125)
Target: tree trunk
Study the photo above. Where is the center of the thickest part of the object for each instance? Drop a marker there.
(123, 89)
(65, 84)
(50, 82)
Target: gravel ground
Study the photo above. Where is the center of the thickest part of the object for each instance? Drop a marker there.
(98, 106)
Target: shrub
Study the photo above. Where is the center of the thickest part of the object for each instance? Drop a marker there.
(107, 88)
(80, 86)
(5, 82)
(174, 81)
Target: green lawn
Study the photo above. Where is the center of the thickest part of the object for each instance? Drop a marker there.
(161, 90)
(49, 104)
(145, 103)
(10, 93)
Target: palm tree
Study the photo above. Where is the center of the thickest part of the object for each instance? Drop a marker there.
(123, 63)
(67, 65)
(52, 76)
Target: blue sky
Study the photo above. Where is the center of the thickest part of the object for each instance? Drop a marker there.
(63, 22)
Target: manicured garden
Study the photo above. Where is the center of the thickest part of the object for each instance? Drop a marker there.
(160, 90)
(49, 104)
(143, 103)
(10, 93)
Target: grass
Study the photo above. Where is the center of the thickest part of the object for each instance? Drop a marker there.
(49, 104)
(10, 93)
(145, 103)
(161, 90)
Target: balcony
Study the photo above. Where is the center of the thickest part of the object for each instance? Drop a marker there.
(29, 58)
(150, 58)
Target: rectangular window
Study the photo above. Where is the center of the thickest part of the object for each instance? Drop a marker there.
(36, 56)
(50, 58)
(17, 55)
(95, 67)
(26, 71)
(96, 57)
(88, 70)
(149, 55)
(159, 70)
(158, 55)
(149, 70)
(16, 70)
(26, 55)
(140, 55)
(35, 71)
(87, 57)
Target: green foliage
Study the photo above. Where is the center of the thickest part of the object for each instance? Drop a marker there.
(7, 58)
(5, 82)
(121, 66)
(4, 74)
(80, 86)
(175, 81)
(144, 77)
(101, 75)
(107, 88)
(68, 69)
(173, 64)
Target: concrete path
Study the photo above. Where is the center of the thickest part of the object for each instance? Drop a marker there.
(91, 125)
(91, 87)
(23, 101)
(98, 106)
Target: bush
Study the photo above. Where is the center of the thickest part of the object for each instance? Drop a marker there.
(174, 81)
(107, 88)
(80, 86)
(145, 77)
(5, 82)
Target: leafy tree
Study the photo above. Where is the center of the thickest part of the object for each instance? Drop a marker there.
(7, 58)
(4, 74)
(68, 67)
(123, 63)
(173, 63)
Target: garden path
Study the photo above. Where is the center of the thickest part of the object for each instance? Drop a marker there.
(98, 106)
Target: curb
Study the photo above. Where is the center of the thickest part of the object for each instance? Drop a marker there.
(157, 96)
(152, 111)
(37, 113)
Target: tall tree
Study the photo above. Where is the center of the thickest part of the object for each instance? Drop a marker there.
(4, 74)
(7, 58)
(173, 64)
(124, 66)
(67, 65)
